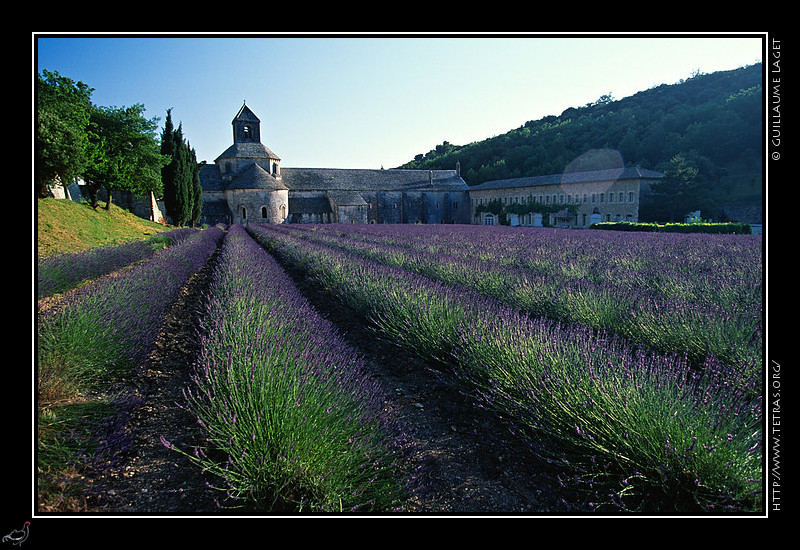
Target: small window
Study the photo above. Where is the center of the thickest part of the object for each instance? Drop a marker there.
(244, 213)
(264, 212)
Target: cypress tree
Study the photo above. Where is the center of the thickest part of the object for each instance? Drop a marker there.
(168, 171)
(183, 195)
(197, 190)
(182, 180)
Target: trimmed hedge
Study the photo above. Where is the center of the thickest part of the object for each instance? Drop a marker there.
(719, 228)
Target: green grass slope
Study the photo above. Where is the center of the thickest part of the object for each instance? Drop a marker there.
(64, 226)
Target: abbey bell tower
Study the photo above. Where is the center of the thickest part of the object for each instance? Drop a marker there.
(246, 126)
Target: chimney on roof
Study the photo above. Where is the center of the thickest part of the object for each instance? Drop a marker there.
(430, 177)
(458, 168)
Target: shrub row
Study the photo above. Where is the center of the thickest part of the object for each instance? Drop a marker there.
(110, 324)
(65, 271)
(103, 330)
(656, 434)
(702, 227)
(293, 421)
(681, 294)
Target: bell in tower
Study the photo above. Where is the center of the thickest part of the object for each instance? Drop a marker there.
(246, 126)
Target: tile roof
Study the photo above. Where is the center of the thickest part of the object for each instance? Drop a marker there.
(347, 198)
(309, 205)
(210, 179)
(334, 179)
(253, 176)
(571, 177)
(247, 150)
(345, 179)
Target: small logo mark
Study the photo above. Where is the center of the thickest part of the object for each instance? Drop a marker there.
(18, 536)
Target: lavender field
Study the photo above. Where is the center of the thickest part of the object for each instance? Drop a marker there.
(630, 362)
(633, 361)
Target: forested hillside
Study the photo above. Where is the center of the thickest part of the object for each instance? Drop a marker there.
(712, 122)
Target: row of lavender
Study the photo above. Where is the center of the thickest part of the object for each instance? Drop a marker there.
(293, 421)
(694, 294)
(94, 335)
(111, 323)
(656, 433)
(65, 271)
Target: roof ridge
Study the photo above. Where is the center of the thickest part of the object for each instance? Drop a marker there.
(245, 113)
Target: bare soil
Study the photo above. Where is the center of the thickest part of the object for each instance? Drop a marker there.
(473, 465)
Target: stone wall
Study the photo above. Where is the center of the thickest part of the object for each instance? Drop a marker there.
(258, 206)
(595, 201)
(146, 207)
(426, 207)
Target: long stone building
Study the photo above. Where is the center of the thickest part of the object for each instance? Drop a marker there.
(572, 199)
(247, 183)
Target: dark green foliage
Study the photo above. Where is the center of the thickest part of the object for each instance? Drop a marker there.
(197, 190)
(123, 152)
(717, 228)
(109, 147)
(712, 121)
(677, 193)
(62, 117)
(182, 193)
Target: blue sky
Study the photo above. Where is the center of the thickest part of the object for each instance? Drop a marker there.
(374, 101)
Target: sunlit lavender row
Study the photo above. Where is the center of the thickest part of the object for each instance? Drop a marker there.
(293, 422)
(112, 323)
(675, 293)
(62, 272)
(656, 432)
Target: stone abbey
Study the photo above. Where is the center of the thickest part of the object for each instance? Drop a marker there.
(247, 183)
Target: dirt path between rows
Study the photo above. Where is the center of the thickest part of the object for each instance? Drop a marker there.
(470, 469)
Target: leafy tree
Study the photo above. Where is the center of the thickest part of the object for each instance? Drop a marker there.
(123, 152)
(63, 109)
(677, 193)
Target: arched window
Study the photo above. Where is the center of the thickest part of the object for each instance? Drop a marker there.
(244, 213)
(283, 212)
(264, 212)
(488, 219)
